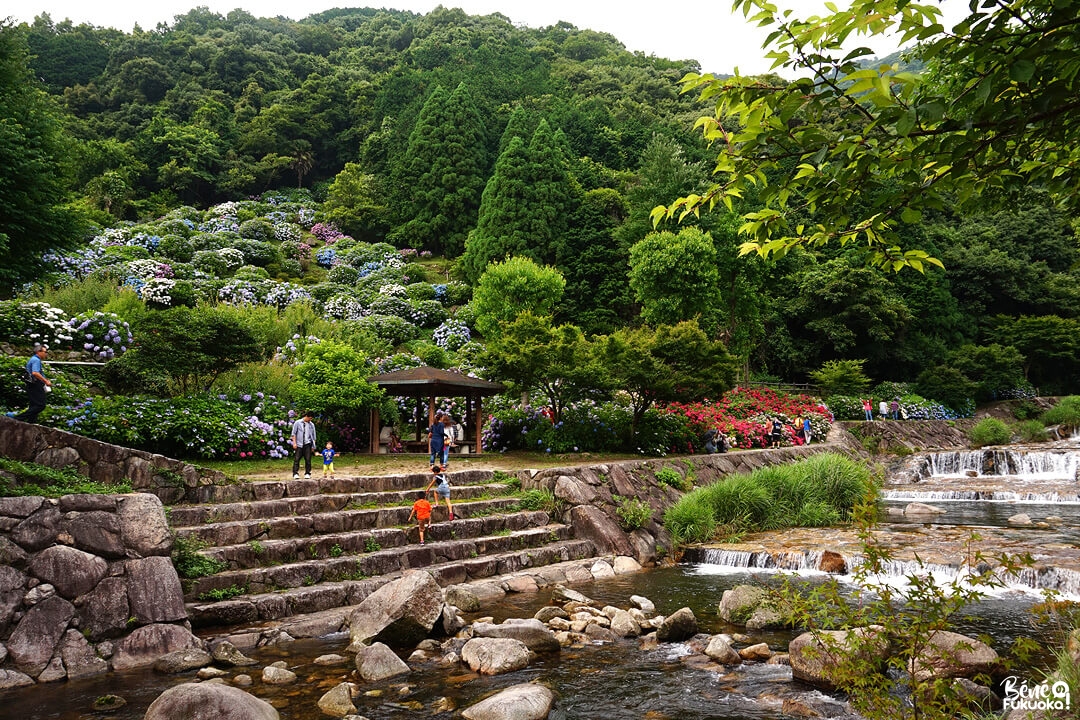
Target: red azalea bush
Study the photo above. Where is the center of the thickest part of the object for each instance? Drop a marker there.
(745, 412)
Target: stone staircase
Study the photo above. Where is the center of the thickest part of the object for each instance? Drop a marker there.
(293, 547)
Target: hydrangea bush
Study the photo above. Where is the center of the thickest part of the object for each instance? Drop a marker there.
(104, 335)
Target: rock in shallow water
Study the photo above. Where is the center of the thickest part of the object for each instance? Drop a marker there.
(206, 701)
(529, 701)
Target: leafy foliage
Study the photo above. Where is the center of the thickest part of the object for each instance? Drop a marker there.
(848, 152)
(990, 431)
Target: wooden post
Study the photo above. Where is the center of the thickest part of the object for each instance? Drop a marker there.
(373, 445)
(479, 422)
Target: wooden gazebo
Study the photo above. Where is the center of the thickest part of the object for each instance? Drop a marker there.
(428, 383)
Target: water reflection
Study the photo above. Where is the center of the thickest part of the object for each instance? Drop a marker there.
(616, 681)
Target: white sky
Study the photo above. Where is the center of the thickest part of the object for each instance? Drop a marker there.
(703, 31)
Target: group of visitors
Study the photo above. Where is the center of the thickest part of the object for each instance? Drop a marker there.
(801, 430)
(887, 409)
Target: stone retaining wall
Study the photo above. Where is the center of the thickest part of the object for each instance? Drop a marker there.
(86, 585)
(171, 480)
(589, 497)
(904, 437)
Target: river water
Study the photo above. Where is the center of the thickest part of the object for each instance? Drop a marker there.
(623, 681)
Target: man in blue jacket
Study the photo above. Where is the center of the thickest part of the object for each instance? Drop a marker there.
(37, 386)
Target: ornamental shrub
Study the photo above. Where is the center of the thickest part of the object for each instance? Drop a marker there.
(258, 229)
(633, 513)
(990, 431)
(103, 335)
(258, 252)
(1066, 412)
(391, 328)
(841, 377)
(176, 247)
(344, 274)
(211, 262)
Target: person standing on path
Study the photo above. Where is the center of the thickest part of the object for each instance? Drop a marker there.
(436, 441)
(868, 409)
(302, 438)
(442, 489)
(37, 385)
(883, 409)
(806, 429)
(328, 455)
(894, 408)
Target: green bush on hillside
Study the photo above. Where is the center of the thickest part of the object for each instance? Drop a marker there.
(990, 431)
(1066, 412)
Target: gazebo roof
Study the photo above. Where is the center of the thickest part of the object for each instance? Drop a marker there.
(429, 381)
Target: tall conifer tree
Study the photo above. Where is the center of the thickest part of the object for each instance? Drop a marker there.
(444, 172)
(526, 205)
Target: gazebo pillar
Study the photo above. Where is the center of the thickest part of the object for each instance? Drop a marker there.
(373, 445)
(478, 422)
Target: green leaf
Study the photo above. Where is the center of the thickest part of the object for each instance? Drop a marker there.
(1021, 71)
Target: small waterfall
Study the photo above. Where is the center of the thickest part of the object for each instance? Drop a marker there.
(1027, 465)
(990, 495)
(1063, 581)
(791, 560)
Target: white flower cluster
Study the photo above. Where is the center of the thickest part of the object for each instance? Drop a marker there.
(225, 209)
(233, 258)
(393, 290)
(145, 269)
(343, 307)
(158, 290)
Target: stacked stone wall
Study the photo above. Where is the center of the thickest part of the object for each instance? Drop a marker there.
(86, 585)
(171, 480)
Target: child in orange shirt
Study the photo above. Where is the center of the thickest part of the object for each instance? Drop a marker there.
(421, 510)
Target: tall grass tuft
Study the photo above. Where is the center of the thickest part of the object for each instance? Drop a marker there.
(92, 293)
(690, 520)
(818, 491)
(1066, 412)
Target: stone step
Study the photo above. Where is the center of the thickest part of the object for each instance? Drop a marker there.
(278, 489)
(324, 596)
(398, 551)
(181, 516)
(257, 553)
(243, 531)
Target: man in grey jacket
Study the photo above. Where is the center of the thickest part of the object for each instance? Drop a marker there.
(303, 442)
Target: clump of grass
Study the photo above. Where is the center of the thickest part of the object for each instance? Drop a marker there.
(821, 490)
(27, 478)
(538, 499)
(633, 513)
(1066, 412)
(990, 431)
(1032, 431)
(372, 545)
(223, 593)
(189, 563)
(671, 477)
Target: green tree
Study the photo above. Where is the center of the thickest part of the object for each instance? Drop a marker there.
(532, 352)
(355, 204)
(849, 151)
(192, 346)
(526, 205)
(33, 215)
(994, 368)
(841, 377)
(331, 381)
(444, 171)
(1051, 349)
(670, 363)
(507, 289)
(675, 278)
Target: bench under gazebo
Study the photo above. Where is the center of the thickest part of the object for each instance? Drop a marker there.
(428, 383)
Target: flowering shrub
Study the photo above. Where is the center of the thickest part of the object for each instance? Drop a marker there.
(293, 350)
(147, 269)
(105, 335)
(325, 257)
(293, 249)
(287, 234)
(452, 335)
(191, 426)
(157, 292)
(33, 322)
(327, 232)
(343, 307)
(745, 412)
(281, 295)
(343, 274)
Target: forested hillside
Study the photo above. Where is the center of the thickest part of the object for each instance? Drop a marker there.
(475, 140)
